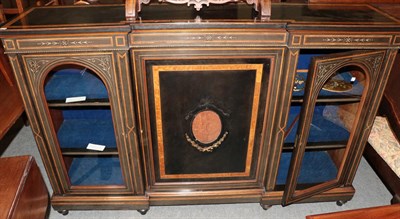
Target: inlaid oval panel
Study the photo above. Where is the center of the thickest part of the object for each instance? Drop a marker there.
(206, 126)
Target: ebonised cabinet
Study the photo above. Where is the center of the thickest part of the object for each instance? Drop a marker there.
(187, 107)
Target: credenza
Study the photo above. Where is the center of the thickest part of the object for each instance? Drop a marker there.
(183, 106)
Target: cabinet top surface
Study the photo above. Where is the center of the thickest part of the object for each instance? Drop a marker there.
(173, 16)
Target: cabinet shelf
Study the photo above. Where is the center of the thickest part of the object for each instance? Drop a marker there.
(81, 152)
(335, 99)
(73, 82)
(318, 146)
(92, 103)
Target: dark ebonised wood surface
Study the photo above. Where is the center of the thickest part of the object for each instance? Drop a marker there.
(181, 16)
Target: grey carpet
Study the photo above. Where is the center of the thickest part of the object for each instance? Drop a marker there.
(369, 192)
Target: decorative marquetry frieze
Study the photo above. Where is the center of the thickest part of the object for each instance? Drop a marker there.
(215, 38)
(111, 42)
(212, 37)
(348, 39)
(340, 40)
(64, 43)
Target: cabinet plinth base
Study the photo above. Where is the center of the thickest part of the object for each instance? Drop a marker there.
(63, 204)
(343, 194)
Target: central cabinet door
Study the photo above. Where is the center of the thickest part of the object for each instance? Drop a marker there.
(204, 115)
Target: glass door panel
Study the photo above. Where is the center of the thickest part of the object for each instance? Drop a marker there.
(82, 119)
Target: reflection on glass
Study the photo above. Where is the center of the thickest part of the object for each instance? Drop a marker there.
(345, 83)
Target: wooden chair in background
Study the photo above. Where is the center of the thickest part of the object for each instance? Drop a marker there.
(11, 106)
(19, 6)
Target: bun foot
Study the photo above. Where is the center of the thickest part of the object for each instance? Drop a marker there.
(395, 199)
(63, 212)
(265, 207)
(143, 211)
(340, 203)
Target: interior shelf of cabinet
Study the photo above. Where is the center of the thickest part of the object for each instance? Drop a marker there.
(75, 86)
(94, 171)
(101, 103)
(332, 99)
(318, 145)
(81, 152)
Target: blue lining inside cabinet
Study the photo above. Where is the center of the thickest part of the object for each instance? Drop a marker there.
(305, 60)
(95, 171)
(81, 127)
(322, 129)
(317, 167)
(73, 82)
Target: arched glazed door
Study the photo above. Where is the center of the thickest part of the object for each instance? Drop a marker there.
(86, 139)
(325, 121)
